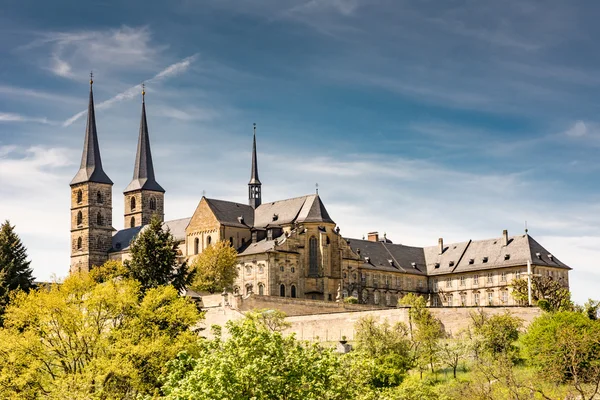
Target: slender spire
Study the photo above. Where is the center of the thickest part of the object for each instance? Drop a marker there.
(143, 172)
(91, 163)
(254, 186)
(254, 175)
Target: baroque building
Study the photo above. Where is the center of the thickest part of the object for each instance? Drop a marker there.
(292, 247)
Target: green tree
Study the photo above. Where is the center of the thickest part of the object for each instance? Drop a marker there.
(84, 340)
(545, 289)
(15, 272)
(215, 268)
(425, 331)
(495, 335)
(565, 347)
(452, 352)
(257, 362)
(154, 259)
(382, 352)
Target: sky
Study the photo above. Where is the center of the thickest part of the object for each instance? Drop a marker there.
(420, 119)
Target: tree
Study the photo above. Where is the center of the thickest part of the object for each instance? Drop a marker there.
(15, 272)
(81, 340)
(565, 347)
(257, 362)
(452, 352)
(425, 331)
(215, 268)
(154, 259)
(385, 350)
(545, 289)
(495, 335)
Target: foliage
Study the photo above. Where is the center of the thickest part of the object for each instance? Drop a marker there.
(425, 331)
(256, 362)
(385, 350)
(351, 300)
(154, 259)
(108, 271)
(452, 352)
(552, 294)
(215, 268)
(592, 309)
(565, 347)
(495, 335)
(81, 339)
(15, 272)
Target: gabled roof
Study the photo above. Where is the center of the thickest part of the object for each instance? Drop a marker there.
(90, 169)
(143, 171)
(389, 257)
(122, 239)
(299, 209)
(228, 213)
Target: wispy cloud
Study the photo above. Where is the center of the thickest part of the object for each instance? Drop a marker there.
(578, 129)
(11, 117)
(170, 71)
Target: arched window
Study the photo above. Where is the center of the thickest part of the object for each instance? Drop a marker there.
(327, 240)
(261, 289)
(132, 222)
(294, 291)
(132, 203)
(79, 218)
(99, 219)
(79, 243)
(208, 240)
(99, 197)
(313, 269)
(196, 245)
(152, 203)
(79, 196)
(248, 289)
(282, 290)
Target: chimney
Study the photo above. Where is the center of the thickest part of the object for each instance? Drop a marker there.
(441, 245)
(505, 238)
(373, 236)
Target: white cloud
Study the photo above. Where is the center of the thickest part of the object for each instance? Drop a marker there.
(11, 117)
(578, 129)
(170, 71)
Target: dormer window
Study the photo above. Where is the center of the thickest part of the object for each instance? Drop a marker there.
(413, 264)
(538, 255)
(436, 265)
(451, 264)
(507, 256)
(367, 260)
(471, 261)
(485, 259)
(275, 217)
(551, 257)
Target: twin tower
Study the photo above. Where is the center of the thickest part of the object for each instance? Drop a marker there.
(91, 195)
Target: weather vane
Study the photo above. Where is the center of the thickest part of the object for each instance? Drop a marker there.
(91, 77)
(317, 187)
(143, 91)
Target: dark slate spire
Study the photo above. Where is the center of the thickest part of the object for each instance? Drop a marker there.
(254, 186)
(254, 175)
(143, 172)
(91, 163)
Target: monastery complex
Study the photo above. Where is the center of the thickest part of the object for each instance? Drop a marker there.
(293, 248)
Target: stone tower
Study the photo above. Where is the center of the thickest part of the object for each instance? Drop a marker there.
(91, 203)
(254, 186)
(144, 197)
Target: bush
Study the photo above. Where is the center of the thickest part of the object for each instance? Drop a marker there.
(351, 300)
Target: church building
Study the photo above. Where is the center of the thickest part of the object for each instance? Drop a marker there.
(292, 247)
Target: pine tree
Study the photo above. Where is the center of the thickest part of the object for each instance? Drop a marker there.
(154, 259)
(15, 272)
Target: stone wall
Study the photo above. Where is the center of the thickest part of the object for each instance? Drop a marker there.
(328, 327)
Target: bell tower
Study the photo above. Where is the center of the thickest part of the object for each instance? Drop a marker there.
(254, 186)
(144, 197)
(91, 203)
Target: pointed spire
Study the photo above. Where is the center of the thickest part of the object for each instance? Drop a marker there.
(143, 172)
(91, 163)
(254, 186)
(254, 175)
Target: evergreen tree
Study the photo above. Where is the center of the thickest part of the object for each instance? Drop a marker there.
(15, 272)
(154, 259)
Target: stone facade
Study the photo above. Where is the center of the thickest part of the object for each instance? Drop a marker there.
(141, 206)
(91, 225)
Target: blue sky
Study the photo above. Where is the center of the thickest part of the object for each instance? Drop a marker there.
(421, 119)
